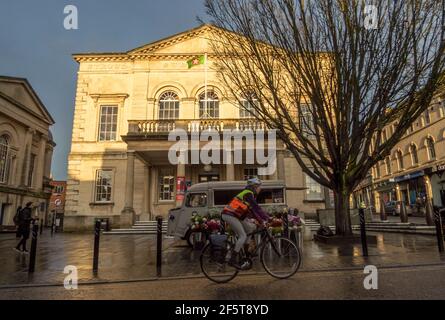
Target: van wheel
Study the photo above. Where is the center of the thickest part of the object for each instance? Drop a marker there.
(190, 237)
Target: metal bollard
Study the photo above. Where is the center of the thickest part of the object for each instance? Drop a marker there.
(33, 253)
(361, 212)
(53, 224)
(439, 231)
(403, 213)
(159, 246)
(96, 246)
(383, 216)
(285, 225)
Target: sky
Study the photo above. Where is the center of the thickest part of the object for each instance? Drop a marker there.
(35, 45)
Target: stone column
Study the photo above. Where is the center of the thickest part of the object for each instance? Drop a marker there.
(40, 165)
(281, 175)
(128, 214)
(180, 172)
(147, 195)
(429, 213)
(230, 167)
(26, 158)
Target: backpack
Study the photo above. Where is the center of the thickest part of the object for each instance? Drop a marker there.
(16, 218)
(237, 206)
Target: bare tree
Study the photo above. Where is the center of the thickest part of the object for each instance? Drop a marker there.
(329, 75)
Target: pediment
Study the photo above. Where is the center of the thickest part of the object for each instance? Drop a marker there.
(189, 42)
(20, 92)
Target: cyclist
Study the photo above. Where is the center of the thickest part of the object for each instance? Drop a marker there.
(235, 213)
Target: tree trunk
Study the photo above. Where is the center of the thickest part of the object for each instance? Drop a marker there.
(342, 215)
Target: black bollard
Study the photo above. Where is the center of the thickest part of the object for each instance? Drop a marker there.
(41, 227)
(439, 231)
(383, 216)
(361, 212)
(53, 224)
(159, 246)
(285, 224)
(96, 246)
(33, 253)
(403, 213)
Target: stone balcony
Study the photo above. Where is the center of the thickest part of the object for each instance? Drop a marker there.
(163, 127)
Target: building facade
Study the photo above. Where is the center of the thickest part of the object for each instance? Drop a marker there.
(26, 147)
(126, 104)
(57, 202)
(414, 172)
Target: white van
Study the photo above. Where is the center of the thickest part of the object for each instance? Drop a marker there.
(203, 198)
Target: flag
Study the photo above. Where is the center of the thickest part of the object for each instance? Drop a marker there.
(196, 61)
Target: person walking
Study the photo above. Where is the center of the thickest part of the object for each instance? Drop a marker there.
(24, 228)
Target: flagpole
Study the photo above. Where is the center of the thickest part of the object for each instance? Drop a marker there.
(205, 85)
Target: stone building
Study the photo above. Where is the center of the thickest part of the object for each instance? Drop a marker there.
(26, 147)
(414, 172)
(126, 104)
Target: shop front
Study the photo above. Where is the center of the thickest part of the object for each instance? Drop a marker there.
(412, 191)
(438, 185)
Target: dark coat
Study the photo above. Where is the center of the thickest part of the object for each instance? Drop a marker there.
(24, 221)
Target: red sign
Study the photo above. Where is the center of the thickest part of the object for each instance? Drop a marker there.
(180, 188)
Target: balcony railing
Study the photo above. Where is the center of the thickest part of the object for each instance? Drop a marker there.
(160, 127)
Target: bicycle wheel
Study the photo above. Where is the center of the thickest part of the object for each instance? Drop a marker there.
(214, 266)
(281, 259)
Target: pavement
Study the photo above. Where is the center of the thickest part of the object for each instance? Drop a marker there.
(419, 283)
(133, 258)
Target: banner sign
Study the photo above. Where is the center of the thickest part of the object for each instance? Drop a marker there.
(180, 188)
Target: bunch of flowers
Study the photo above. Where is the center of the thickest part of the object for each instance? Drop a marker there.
(210, 222)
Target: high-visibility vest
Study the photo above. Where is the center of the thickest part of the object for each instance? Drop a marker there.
(237, 206)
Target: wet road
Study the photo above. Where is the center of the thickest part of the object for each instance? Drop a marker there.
(427, 282)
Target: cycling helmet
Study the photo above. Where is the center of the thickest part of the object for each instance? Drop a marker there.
(254, 182)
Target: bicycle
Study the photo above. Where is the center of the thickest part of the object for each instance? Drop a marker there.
(275, 253)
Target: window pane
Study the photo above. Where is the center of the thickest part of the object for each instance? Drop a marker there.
(108, 123)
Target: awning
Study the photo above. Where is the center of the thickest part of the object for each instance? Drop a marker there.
(409, 176)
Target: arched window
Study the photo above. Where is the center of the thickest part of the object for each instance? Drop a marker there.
(247, 108)
(209, 108)
(400, 160)
(169, 106)
(414, 156)
(430, 148)
(388, 165)
(4, 158)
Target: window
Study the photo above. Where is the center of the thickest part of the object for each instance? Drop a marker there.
(250, 173)
(388, 165)
(430, 148)
(169, 106)
(166, 184)
(108, 123)
(32, 161)
(223, 197)
(306, 120)
(414, 156)
(268, 196)
(211, 108)
(314, 191)
(4, 158)
(377, 169)
(247, 110)
(196, 200)
(384, 137)
(104, 185)
(427, 116)
(58, 189)
(400, 160)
